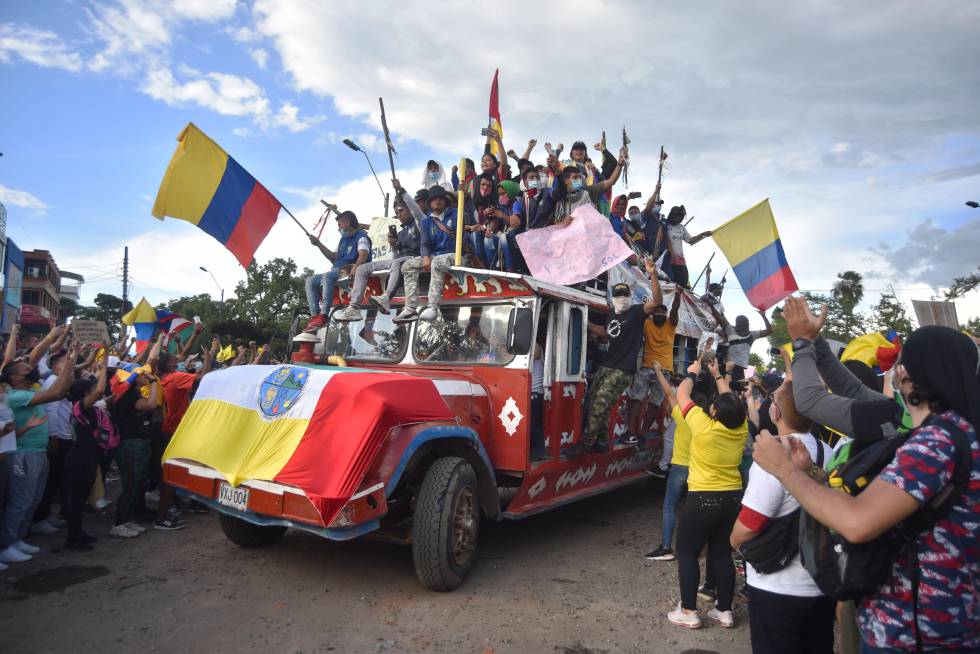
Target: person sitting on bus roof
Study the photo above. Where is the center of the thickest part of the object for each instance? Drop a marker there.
(404, 245)
(353, 250)
(437, 247)
(556, 208)
(624, 333)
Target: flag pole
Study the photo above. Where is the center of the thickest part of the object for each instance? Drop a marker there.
(388, 147)
(460, 217)
(694, 285)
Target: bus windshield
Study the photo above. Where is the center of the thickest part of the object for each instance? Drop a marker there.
(372, 338)
(465, 335)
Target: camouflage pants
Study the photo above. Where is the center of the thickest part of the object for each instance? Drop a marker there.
(607, 385)
(412, 268)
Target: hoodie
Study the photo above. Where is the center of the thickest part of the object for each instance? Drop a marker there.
(438, 180)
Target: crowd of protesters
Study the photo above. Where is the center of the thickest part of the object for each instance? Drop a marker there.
(72, 414)
(745, 452)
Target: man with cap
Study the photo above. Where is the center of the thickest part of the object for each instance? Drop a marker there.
(624, 334)
(353, 250)
(437, 247)
(405, 244)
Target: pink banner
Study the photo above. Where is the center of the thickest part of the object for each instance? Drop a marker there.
(576, 252)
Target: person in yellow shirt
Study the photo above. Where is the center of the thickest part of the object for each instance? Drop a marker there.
(678, 468)
(714, 495)
(658, 347)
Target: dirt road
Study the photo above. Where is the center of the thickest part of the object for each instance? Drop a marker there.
(570, 581)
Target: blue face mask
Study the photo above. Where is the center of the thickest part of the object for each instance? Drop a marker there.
(577, 184)
(533, 183)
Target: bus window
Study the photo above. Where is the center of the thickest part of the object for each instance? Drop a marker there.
(575, 340)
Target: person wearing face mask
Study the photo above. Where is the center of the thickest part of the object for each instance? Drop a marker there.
(937, 379)
(27, 467)
(502, 240)
(485, 215)
(435, 175)
(740, 339)
(623, 332)
(677, 236)
(557, 207)
(353, 250)
(645, 228)
(404, 244)
(437, 246)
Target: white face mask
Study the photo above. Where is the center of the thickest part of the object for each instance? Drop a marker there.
(100, 404)
(621, 304)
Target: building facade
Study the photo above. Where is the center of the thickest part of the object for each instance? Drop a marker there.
(41, 292)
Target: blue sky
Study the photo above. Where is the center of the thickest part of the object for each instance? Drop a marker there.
(865, 137)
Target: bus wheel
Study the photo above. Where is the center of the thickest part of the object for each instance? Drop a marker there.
(245, 534)
(446, 524)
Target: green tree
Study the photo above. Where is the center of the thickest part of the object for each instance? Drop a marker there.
(972, 326)
(109, 309)
(67, 308)
(848, 290)
(963, 285)
(263, 307)
(890, 313)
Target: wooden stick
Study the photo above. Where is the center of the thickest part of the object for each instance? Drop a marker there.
(388, 146)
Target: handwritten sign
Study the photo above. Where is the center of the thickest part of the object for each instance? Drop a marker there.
(90, 331)
(576, 252)
(378, 233)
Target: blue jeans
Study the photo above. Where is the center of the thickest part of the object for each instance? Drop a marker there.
(676, 479)
(319, 290)
(485, 248)
(27, 474)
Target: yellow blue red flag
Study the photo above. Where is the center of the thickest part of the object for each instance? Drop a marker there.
(206, 187)
(750, 242)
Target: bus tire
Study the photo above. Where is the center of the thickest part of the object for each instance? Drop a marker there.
(245, 534)
(446, 524)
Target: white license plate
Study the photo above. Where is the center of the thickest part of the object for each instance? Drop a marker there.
(235, 497)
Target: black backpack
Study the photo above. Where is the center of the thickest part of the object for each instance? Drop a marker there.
(852, 571)
(777, 544)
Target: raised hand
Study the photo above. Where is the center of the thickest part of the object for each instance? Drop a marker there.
(695, 368)
(800, 321)
(531, 143)
(713, 367)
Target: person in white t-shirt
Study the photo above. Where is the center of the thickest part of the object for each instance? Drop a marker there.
(787, 611)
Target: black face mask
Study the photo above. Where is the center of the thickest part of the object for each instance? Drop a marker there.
(34, 376)
(659, 320)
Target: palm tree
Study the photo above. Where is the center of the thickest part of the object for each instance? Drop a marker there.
(849, 289)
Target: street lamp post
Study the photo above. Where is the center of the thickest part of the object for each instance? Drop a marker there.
(222, 305)
(356, 148)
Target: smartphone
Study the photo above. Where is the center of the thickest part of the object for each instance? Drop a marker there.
(392, 231)
(484, 132)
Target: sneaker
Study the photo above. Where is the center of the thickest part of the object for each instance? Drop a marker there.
(78, 546)
(102, 503)
(682, 618)
(170, 524)
(318, 321)
(132, 526)
(383, 302)
(174, 512)
(350, 314)
(661, 554)
(657, 472)
(707, 593)
(629, 439)
(27, 548)
(407, 314)
(575, 450)
(13, 555)
(43, 528)
(55, 522)
(429, 314)
(123, 531)
(368, 335)
(724, 618)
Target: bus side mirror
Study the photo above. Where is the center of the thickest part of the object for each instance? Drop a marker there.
(520, 328)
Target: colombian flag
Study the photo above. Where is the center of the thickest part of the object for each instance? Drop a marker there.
(317, 429)
(495, 118)
(207, 188)
(751, 243)
(144, 319)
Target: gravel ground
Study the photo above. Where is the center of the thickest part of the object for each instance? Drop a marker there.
(572, 581)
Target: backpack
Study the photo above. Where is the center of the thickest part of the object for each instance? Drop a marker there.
(776, 546)
(852, 571)
(103, 431)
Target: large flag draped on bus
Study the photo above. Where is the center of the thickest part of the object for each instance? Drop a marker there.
(207, 188)
(316, 429)
(751, 243)
(495, 118)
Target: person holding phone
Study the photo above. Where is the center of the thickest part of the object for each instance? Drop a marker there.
(405, 243)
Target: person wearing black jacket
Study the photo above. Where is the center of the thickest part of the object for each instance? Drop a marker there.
(404, 244)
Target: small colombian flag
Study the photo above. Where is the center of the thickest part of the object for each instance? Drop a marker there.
(751, 244)
(207, 188)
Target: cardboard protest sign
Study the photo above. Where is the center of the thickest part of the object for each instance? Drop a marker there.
(90, 331)
(378, 233)
(935, 313)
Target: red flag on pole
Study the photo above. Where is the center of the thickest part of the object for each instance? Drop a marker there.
(495, 117)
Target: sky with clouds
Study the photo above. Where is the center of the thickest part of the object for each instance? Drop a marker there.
(859, 122)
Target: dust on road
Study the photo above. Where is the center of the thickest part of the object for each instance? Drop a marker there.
(572, 580)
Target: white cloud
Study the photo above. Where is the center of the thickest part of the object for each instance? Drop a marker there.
(225, 94)
(207, 10)
(261, 57)
(39, 47)
(288, 117)
(22, 199)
